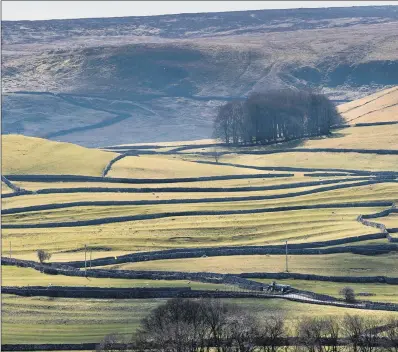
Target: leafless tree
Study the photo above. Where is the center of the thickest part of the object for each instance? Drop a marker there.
(43, 255)
(216, 154)
(111, 343)
(271, 333)
(348, 294)
(275, 116)
(391, 335)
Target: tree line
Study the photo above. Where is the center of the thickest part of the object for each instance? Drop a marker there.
(275, 116)
(204, 325)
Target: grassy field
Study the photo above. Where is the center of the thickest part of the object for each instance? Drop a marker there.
(63, 320)
(154, 166)
(342, 264)
(249, 229)
(5, 189)
(378, 107)
(356, 161)
(15, 276)
(378, 292)
(375, 192)
(39, 319)
(30, 155)
(37, 199)
(389, 221)
(266, 181)
(372, 137)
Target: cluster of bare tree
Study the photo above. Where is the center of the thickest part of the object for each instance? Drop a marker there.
(183, 325)
(275, 116)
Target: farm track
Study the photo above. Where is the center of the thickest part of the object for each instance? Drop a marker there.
(118, 219)
(53, 206)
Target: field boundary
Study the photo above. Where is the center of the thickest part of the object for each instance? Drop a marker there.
(116, 219)
(392, 209)
(52, 206)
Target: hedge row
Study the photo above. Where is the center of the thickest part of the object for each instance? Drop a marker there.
(117, 219)
(183, 201)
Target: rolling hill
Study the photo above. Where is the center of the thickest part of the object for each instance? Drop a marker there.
(379, 107)
(146, 79)
(30, 155)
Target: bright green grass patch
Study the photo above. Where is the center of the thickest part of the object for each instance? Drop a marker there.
(63, 320)
(380, 292)
(346, 264)
(194, 231)
(15, 276)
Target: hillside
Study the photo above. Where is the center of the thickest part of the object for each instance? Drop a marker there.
(29, 155)
(379, 107)
(161, 78)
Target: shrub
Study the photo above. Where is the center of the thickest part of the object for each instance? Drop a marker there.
(348, 293)
(43, 255)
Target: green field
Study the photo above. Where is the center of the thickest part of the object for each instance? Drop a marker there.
(341, 264)
(194, 231)
(62, 320)
(15, 276)
(45, 320)
(30, 155)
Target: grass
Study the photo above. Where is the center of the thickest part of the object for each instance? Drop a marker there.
(356, 161)
(373, 108)
(195, 231)
(5, 189)
(15, 276)
(44, 320)
(298, 177)
(380, 292)
(38, 199)
(389, 221)
(67, 320)
(346, 264)
(30, 155)
(169, 167)
(376, 192)
(372, 137)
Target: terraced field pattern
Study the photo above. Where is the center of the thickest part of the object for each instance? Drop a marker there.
(317, 215)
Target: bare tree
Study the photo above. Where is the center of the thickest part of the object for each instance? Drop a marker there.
(43, 255)
(275, 116)
(272, 334)
(353, 327)
(111, 343)
(391, 335)
(348, 294)
(216, 154)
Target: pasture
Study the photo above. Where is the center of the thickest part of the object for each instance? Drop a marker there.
(178, 198)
